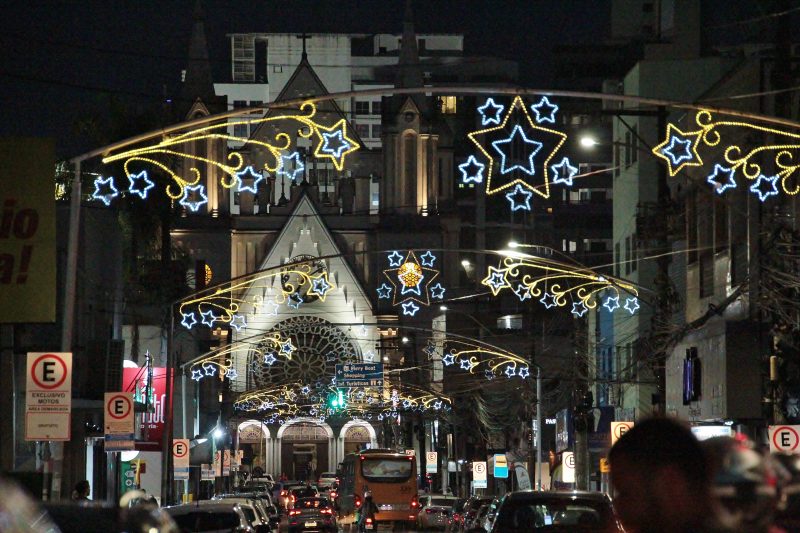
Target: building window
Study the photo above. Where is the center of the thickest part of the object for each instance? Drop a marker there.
(244, 56)
(362, 130)
(376, 131)
(256, 103)
(277, 69)
(634, 253)
(240, 130)
(376, 199)
(628, 255)
(239, 104)
(362, 108)
(376, 107)
(448, 104)
(617, 259)
(628, 160)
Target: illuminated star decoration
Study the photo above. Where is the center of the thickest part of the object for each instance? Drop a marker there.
(188, 199)
(491, 112)
(272, 308)
(448, 359)
(208, 318)
(411, 281)
(410, 308)
(335, 144)
(297, 163)
(471, 170)
(231, 374)
(631, 305)
(519, 198)
(197, 374)
(533, 148)
(189, 320)
(104, 190)
(320, 286)
(210, 370)
(369, 356)
(257, 178)
(395, 258)
(715, 178)
(579, 309)
(524, 372)
(238, 322)
(764, 193)
(510, 371)
(611, 303)
(548, 300)
(679, 149)
(140, 184)
(384, 291)
(564, 172)
(496, 280)
(489, 374)
(437, 291)
(270, 359)
(465, 364)
(522, 292)
(427, 259)
(545, 111)
(294, 300)
(430, 350)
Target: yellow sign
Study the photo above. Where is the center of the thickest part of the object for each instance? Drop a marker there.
(27, 231)
(605, 467)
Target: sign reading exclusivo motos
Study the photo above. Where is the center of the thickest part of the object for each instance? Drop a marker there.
(27, 231)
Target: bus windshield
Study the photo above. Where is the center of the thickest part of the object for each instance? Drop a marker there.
(386, 470)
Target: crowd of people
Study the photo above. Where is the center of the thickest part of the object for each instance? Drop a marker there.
(665, 480)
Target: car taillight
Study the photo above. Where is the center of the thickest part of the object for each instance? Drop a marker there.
(430, 511)
(414, 502)
(369, 521)
(357, 501)
(326, 511)
(294, 512)
(294, 498)
(284, 492)
(333, 494)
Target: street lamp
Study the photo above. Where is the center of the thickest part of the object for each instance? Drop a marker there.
(587, 141)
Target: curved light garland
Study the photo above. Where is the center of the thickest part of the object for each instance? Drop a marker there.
(476, 358)
(332, 142)
(220, 360)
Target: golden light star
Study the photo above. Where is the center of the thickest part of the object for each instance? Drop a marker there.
(679, 149)
(335, 144)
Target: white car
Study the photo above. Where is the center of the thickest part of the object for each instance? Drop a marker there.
(212, 517)
(326, 479)
(434, 510)
(260, 513)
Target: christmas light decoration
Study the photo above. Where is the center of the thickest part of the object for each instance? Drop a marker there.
(410, 308)
(140, 184)
(564, 172)
(522, 292)
(231, 374)
(579, 309)
(716, 178)
(511, 371)
(189, 193)
(491, 112)
(449, 359)
(238, 322)
(384, 291)
(104, 190)
(679, 149)
(496, 280)
(415, 281)
(248, 171)
(524, 372)
(197, 375)
(427, 259)
(611, 303)
(631, 305)
(189, 320)
(395, 258)
(269, 359)
(296, 163)
(336, 144)
(765, 186)
(519, 198)
(320, 286)
(437, 291)
(208, 318)
(548, 300)
(545, 111)
(471, 170)
(505, 146)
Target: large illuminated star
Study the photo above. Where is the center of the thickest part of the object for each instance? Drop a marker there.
(471, 170)
(496, 280)
(140, 184)
(208, 318)
(320, 286)
(335, 144)
(519, 198)
(722, 178)
(104, 190)
(408, 269)
(297, 163)
(564, 172)
(679, 149)
(490, 112)
(248, 171)
(505, 147)
(545, 111)
(765, 186)
(190, 191)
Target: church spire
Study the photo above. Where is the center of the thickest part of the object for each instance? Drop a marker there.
(409, 71)
(197, 80)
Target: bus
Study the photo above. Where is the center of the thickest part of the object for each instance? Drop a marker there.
(390, 477)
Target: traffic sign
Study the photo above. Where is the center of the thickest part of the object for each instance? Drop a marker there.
(48, 397)
(180, 458)
(568, 467)
(605, 467)
(206, 472)
(479, 474)
(359, 375)
(784, 439)
(500, 465)
(226, 462)
(618, 429)
(431, 462)
(118, 421)
(411, 452)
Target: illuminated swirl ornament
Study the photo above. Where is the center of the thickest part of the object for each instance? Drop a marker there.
(556, 284)
(331, 142)
(478, 357)
(411, 280)
(682, 149)
(220, 361)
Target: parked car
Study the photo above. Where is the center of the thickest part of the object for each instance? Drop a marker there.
(475, 524)
(527, 511)
(316, 514)
(435, 511)
(456, 518)
(99, 517)
(326, 479)
(214, 517)
(260, 508)
(469, 511)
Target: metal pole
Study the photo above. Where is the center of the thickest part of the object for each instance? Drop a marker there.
(184, 435)
(166, 437)
(538, 427)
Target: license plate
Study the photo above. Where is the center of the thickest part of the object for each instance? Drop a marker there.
(386, 507)
(369, 526)
(311, 524)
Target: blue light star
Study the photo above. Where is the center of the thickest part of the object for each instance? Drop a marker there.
(410, 308)
(231, 374)
(631, 305)
(305, 390)
(208, 318)
(437, 291)
(298, 166)
(238, 322)
(197, 374)
(472, 170)
(490, 112)
(413, 289)
(564, 172)
(535, 146)
(519, 198)
(437, 404)
(287, 348)
(545, 111)
(341, 144)
(369, 356)
(270, 359)
(190, 191)
(510, 371)
(522, 292)
(719, 185)
(430, 350)
(579, 309)
(140, 184)
(679, 150)
(448, 359)
(489, 374)
(395, 259)
(548, 300)
(272, 308)
(427, 259)
(465, 364)
(294, 300)
(320, 286)
(611, 303)
(384, 291)
(771, 190)
(210, 370)
(104, 190)
(524, 372)
(257, 178)
(189, 320)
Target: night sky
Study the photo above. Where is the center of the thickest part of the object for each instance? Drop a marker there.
(61, 60)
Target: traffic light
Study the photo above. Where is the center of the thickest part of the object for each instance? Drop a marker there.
(337, 401)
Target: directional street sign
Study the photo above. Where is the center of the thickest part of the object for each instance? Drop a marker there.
(118, 421)
(500, 465)
(180, 458)
(479, 475)
(48, 397)
(784, 439)
(359, 375)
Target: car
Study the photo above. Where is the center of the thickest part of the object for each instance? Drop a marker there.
(456, 518)
(435, 511)
(312, 514)
(285, 495)
(326, 479)
(475, 524)
(100, 517)
(259, 506)
(526, 511)
(468, 513)
(211, 517)
(302, 491)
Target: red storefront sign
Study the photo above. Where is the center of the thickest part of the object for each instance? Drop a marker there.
(150, 425)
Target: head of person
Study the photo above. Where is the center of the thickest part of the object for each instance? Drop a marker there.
(81, 490)
(661, 478)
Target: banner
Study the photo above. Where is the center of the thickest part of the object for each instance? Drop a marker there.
(149, 426)
(27, 231)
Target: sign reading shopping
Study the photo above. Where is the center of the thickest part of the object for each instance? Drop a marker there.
(48, 397)
(359, 375)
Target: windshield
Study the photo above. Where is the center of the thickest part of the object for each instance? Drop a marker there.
(553, 515)
(442, 502)
(206, 521)
(386, 470)
(312, 503)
